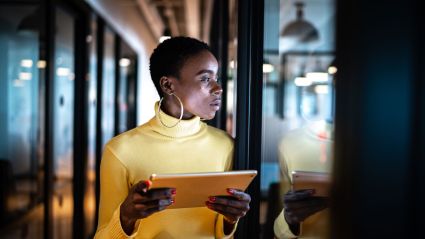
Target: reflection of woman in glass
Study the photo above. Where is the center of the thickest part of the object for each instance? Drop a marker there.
(309, 148)
(175, 141)
(305, 149)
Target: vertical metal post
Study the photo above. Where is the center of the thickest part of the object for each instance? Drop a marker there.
(249, 105)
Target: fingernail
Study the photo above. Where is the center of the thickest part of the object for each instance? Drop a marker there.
(212, 199)
(230, 191)
(148, 183)
(173, 191)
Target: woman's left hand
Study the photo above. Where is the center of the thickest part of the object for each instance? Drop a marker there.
(232, 207)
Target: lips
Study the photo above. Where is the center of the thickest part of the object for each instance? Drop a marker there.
(216, 102)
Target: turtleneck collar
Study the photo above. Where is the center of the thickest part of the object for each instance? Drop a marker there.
(182, 129)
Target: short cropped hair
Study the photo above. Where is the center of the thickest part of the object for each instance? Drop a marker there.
(169, 57)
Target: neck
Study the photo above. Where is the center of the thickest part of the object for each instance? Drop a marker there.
(172, 107)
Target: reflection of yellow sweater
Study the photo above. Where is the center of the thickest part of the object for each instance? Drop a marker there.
(305, 149)
(191, 146)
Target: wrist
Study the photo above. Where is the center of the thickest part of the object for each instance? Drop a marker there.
(293, 226)
(127, 223)
(229, 221)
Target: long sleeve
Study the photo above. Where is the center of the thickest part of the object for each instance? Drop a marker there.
(281, 227)
(113, 191)
(219, 227)
(219, 231)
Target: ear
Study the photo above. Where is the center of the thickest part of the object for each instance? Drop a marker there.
(167, 85)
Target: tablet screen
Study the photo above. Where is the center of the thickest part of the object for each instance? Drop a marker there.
(193, 189)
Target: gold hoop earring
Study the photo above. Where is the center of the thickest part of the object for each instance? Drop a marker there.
(181, 112)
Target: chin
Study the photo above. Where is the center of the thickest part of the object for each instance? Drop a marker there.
(209, 117)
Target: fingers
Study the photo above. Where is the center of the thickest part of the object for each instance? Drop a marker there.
(147, 212)
(142, 194)
(229, 202)
(142, 186)
(296, 212)
(142, 201)
(240, 195)
(160, 204)
(298, 195)
(308, 202)
(300, 214)
(234, 206)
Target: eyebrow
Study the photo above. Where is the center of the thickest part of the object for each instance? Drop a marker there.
(205, 71)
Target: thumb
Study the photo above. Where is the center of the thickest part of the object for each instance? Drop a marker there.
(142, 186)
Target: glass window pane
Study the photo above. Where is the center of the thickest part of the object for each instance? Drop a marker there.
(90, 194)
(108, 87)
(232, 69)
(63, 124)
(21, 164)
(297, 104)
(127, 87)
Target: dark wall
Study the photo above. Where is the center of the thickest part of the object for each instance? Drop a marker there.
(376, 119)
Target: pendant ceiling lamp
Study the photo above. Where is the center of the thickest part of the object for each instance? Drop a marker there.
(300, 29)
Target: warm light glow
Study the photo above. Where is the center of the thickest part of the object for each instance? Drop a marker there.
(321, 89)
(232, 64)
(41, 64)
(26, 63)
(267, 68)
(25, 76)
(332, 70)
(318, 77)
(163, 38)
(124, 62)
(62, 71)
(302, 81)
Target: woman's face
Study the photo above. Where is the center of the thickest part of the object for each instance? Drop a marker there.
(197, 86)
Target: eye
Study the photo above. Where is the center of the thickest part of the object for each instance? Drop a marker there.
(205, 79)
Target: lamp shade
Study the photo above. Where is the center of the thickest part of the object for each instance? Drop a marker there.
(300, 29)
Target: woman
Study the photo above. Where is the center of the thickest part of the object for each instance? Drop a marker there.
(184, 72)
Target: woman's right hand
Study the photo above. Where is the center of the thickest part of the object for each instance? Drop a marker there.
(301, 204)
(142, 202)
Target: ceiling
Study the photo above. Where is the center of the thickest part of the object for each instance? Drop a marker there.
(180, 17)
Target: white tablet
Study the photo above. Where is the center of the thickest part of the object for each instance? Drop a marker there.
(320, 182)
(193, 189)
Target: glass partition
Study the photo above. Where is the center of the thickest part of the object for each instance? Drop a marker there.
(230, 106)
(63, 124)
(21, 150)
(90, 193)
(127, 87)
(108, 86)
(298, 73)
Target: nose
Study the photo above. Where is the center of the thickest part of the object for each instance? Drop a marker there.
(217, 90)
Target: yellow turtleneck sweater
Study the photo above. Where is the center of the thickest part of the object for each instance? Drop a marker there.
(191, 146)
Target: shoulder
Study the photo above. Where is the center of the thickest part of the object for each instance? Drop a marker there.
(219, 135)
(128, 139)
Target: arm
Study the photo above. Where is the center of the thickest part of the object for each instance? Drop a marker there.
(121, 206)
(114, 188)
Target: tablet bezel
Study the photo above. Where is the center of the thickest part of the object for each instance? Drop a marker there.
(319, 181)
(193, 189)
